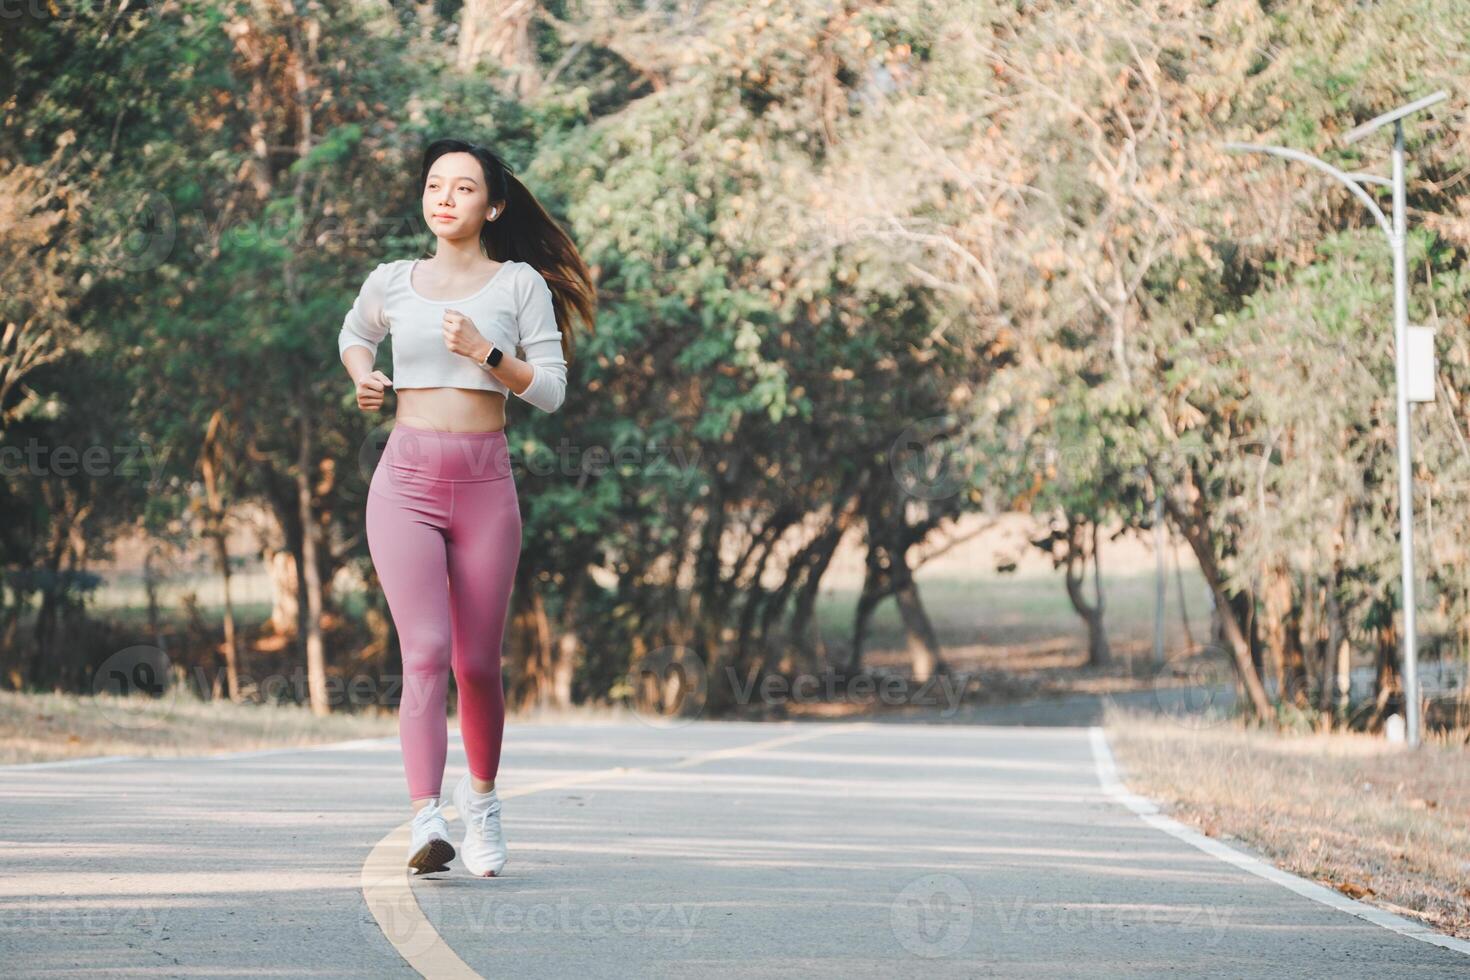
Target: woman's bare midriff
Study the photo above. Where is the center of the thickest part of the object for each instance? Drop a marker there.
(452, 409)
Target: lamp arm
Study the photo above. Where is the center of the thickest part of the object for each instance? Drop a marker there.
(1345, 179)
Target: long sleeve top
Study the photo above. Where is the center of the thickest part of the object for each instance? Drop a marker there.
(514, 309)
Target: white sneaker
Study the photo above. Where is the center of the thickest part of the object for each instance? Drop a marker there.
(483, 850)
(429, 848)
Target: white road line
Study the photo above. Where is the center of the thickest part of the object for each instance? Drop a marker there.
(389, 895)
(1149, 812)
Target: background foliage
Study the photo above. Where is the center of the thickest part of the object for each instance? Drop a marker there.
(864, 268)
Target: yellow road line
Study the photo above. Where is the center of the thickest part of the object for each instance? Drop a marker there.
(389, 895)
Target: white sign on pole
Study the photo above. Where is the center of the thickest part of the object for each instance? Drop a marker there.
(1419, 356)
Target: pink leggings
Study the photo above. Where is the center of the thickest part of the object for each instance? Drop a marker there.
(444, 530)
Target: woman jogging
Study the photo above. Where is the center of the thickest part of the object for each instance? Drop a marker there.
(443, 517)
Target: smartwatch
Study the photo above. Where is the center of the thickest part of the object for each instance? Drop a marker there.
(492, 359)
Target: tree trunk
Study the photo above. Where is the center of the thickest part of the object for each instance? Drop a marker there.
(217, 533)
(500, 31)
(1200, 541)
(1293, 656)
(1244, 604)
(231, 645)
(811, 652)
(1100, 653)
(544, 656)
(281, 566)
(1309, 638)
(923, 643)
(564, 666)
(1333, 650)
(310, 616)
(802, 577)
(862, 618)
(1074, 577)
(150, 588)
(1276, 598)
(44, 631)
(884, 511)
(9, 634)
(1388, 693)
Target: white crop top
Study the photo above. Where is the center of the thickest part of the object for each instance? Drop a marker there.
(514, 309)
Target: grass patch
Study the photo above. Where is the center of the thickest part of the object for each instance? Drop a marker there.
(1015, 609)
(1377, 821)
(48, 727)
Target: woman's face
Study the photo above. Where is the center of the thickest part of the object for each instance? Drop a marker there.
(456, 201)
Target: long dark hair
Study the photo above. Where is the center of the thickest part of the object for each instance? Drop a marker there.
(526, 233)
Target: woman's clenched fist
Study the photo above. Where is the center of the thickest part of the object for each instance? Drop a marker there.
(370, 388)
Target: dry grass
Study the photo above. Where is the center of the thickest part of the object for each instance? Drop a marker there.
(51, 727)
(47, 727)
(1377, 821)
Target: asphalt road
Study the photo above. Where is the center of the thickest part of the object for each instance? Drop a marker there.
(711, 849)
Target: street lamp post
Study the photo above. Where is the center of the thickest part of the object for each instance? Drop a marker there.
(1409, 664)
